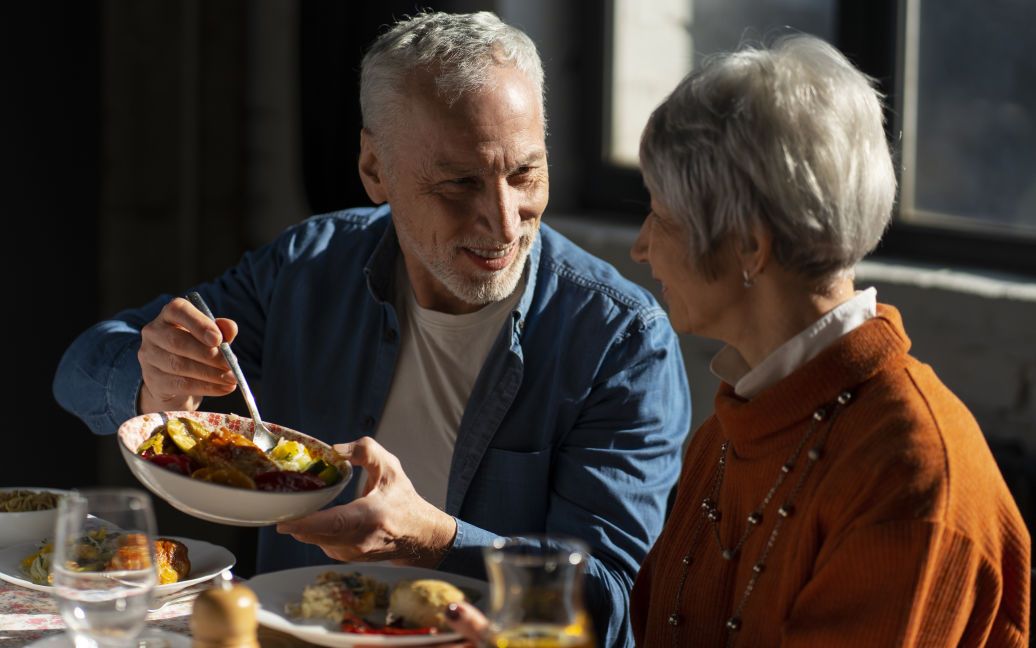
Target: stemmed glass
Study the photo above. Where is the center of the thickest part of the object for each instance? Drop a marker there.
(536, 593)
(103, 565)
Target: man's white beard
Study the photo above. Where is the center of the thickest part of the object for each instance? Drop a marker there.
(488, 288)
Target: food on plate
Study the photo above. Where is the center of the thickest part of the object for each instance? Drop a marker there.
(106, 550)
(225, 457)
(422, 602)
(174, 563)
(22, 501)
(357, 604)
(336, 596)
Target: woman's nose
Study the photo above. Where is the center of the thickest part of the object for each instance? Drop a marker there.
(639, 251)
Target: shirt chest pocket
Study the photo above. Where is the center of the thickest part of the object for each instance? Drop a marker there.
(510, 492)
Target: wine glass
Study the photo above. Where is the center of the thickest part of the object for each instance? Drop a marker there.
(103, 565)
(536, 593)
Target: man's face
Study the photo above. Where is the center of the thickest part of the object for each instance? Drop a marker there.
(467, 184)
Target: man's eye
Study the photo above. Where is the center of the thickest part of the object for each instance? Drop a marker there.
(521, 175)
(461, 182)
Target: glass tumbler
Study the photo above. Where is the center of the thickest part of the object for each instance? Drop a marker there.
(536, 593)
(103, 565)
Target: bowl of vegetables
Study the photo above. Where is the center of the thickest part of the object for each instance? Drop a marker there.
(206, 465)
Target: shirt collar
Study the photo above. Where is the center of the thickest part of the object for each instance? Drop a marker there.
(729, 366)
(381, 264)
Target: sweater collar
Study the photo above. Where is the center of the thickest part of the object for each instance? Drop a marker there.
(857, 356)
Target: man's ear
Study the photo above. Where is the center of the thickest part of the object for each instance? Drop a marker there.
(372, 173)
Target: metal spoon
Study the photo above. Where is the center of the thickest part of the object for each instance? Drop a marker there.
(262, 436)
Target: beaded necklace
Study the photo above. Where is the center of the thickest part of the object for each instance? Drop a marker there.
(710, 513)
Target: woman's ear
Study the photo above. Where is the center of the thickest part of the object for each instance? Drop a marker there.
(371, 174)
(754, 251)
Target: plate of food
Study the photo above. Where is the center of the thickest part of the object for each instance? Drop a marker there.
(182, 562)
(206, 465)
(369, 604)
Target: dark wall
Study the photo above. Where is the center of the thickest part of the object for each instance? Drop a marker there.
(49, 125)
(334, 37)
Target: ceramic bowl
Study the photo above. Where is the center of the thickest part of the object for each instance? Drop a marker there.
(216, 502)
(27, 526)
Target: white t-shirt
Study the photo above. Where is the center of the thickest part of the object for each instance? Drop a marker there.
(440, 356)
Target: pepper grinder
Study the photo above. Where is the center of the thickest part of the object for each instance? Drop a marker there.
(224, 616)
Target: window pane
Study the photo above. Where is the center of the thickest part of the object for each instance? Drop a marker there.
(970, 115)
(656, 42)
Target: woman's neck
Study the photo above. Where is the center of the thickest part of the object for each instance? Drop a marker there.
(781, 306)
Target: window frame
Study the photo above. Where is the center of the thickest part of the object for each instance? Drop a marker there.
(872, 35)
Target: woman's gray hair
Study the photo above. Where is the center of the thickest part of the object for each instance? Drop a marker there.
(459, 49)
(790, 136)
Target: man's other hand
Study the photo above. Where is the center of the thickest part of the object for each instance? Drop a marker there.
(389, 522)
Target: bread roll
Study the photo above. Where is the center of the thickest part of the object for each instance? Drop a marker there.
(422, 603)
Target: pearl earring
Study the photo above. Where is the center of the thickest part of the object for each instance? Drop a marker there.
(748, 281)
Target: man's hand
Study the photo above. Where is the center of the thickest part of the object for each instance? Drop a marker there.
(180, 359)
(390, 522)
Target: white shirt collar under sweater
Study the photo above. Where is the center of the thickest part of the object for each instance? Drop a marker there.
(729, 366)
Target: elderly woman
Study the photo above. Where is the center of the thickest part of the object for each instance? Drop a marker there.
(839, 495)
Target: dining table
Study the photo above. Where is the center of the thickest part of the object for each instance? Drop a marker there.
(28, 616)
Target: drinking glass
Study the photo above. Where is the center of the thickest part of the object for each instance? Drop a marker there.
(536, 593)
(103, 566)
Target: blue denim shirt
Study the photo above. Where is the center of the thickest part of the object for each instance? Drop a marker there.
(574, 425)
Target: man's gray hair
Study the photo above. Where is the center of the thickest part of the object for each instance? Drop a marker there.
(460, 50)
(790, 136)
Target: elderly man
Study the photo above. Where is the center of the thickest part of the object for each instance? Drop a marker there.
(515, 384)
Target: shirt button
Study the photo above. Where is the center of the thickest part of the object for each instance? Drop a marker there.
(368, 423)
(390, 335)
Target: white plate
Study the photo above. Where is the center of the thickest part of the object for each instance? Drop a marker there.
(216, 502)
(207, 561)
(277, 589)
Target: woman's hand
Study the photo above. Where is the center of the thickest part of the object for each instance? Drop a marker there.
(466, 619)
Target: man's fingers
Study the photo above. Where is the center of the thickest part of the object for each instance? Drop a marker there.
(322, 526)
(175, 364)
(182, 313)
(164, 385)
(178, 342)
(370, 455)
(228, 327)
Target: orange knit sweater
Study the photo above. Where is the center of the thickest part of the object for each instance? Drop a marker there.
(903, 532)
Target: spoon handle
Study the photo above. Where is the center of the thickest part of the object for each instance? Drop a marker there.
(235, 367)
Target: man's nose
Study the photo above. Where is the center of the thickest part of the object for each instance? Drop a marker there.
(503, 213)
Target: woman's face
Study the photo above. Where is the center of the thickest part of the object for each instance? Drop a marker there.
(697, 304)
